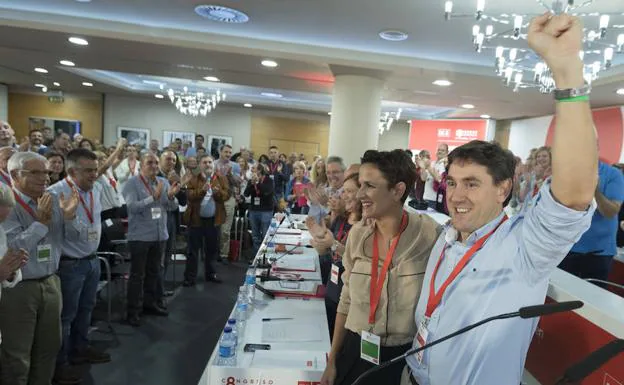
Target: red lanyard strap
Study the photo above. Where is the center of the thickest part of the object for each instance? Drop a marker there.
(258, 188)
(377, 280)
(435, 298)
(25, 205)
(84, 205)
(147, 186)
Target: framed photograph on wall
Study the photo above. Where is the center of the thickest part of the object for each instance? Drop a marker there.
(135, 136)
(170, 136)
(215, 142)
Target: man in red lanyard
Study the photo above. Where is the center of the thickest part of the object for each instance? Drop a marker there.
(485, 264)
(5, 154)
(79, 268)
(31, 321)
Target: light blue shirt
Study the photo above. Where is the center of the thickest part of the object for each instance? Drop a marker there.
(77, 243)
(207, 207)
(147, 219)
(512, 270)
(24, 232)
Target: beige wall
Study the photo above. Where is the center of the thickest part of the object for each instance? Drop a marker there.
(501, 135)
(87, 110)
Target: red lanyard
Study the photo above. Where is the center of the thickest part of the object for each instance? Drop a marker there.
(257, 188)
(84, 205)
(25, 205)
(147, 186)
(274, 167)
(436, 298)
(377, 284)
(112, 182)
(341, 233)
(6, 178)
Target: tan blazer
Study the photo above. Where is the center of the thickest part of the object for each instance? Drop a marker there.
(394, 319)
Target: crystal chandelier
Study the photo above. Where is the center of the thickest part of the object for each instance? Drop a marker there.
(522, 68)
(195, 103)
(387, 119)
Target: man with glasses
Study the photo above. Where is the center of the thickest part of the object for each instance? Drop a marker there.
(32, 310)
(79, 268)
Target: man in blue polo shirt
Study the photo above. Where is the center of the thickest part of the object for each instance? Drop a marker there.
(592, 255)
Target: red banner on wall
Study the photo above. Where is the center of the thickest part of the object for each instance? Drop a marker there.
(428, 134)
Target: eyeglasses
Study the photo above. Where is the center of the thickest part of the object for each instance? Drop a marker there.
(38, 173)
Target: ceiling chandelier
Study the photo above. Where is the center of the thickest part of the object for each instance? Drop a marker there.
(522, 68)
(195, 103)
(387, 119)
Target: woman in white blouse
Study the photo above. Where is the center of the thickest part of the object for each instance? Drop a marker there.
(128, 167)
(10, 260)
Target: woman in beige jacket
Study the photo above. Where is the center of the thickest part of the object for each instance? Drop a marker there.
(381, 289)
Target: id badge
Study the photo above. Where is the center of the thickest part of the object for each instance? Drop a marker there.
(44, 253)
(421, 338)
(335, 272)
(256, 201)
(92, 236)
(156, 213)
(370, 347)
(108, 222)
(272, 177)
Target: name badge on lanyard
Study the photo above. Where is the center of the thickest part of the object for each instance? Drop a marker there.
(156, 213)
(92, 235)
(370, 347)
(44, 253)
(421, 338)
(335, 272)
(256, 201)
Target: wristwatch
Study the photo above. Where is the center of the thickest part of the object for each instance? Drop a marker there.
(561, 94)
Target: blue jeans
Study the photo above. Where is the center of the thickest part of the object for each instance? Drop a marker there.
(260, 222)
(79, 282)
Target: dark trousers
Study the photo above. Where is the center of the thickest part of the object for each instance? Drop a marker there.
(331, 309)
(144, 275)
(202, 239)
(79, 282)
(349, 365)
(587, 265)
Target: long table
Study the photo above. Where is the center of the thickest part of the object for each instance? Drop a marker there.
(287, 363)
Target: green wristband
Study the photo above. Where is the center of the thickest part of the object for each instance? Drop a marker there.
(582, 98)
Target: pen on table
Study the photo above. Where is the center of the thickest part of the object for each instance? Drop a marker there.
(275, 319)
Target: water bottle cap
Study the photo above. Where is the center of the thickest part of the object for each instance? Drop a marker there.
(228, 329)
(231, 321)
(271, 244)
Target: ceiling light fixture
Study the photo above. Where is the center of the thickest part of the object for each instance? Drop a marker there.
(44, 89)
(41, 70)
(393, 35)
(387, 119)
(195, 103)
(247, 105)
(83, 1)
(159, 96)
(269, 63)
(87, 84)
(620, 91)
(212, 78)
(485, 116)
(67, 63)
(467, 106)
(271, 95)
(56, 84)
(221, 14)
(329, 113)
(443, 83)
(39, 85)
(78, 40)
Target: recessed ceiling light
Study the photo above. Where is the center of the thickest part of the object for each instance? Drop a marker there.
(56, 84)
(248, 105)
(212, 78)
(393, 35)
(152, 82)
(44, 89)
(620, 91)
(78, 40)
(67, 63)
(83, 1)
(485, 116)
(41, 70)
(329, 113)
(39, 85)
(221, 14)
(271, 95)
(443, 83)
(467, 106)
(87, 84)
(159, 96)
(269, 63)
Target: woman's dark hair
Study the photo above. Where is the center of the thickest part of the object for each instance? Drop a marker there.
(500, 163)
(54, 154)
(395, 166)
(263, 158)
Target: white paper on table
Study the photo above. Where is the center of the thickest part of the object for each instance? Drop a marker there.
(303, 288)
(296, 262)
(289, 331)
(281, 231)
(287, 239)
(288, 359)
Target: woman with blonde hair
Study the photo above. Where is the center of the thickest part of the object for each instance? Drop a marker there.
(318, 174)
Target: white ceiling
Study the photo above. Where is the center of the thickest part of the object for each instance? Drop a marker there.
(165, 38)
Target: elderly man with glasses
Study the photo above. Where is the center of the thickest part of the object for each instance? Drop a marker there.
(32, 310)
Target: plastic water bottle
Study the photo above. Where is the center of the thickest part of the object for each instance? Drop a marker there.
(242, 304)
(270, 249)
(227, 349)
(273, 228)
(232, 324)
(250, 282)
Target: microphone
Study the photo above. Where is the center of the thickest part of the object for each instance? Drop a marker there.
(265, 264)
(524, 312)
(592, 362)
